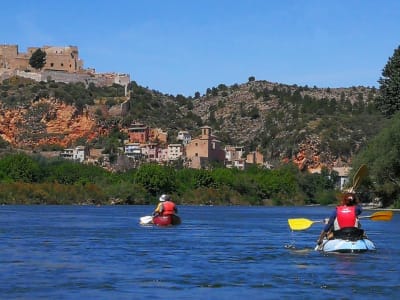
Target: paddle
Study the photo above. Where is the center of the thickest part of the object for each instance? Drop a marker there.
(146, 220)
(303, 224)
(360, 174)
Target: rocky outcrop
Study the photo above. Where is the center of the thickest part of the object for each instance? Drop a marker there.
(46, 122)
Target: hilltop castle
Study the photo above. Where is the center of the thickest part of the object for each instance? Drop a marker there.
(57, 58)
(62, 65)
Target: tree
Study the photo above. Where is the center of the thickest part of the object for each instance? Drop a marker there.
(382, 157)
(20, 167)
(388, 102)
(156, 179)
(38, 59)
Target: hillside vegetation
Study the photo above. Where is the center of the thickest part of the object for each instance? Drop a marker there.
(326, 126)
(311, 127)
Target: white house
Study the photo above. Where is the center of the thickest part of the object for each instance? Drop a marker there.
(184, 136)
(78, 153)
(133, 150)
(343, 173)
(175, 151)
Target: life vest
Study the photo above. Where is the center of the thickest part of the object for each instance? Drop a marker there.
(168, 208)
(345, 217)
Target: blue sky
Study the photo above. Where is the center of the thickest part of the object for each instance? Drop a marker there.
(184, 46)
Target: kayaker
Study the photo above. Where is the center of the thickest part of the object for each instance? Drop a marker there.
(345, 215)
(165, 206)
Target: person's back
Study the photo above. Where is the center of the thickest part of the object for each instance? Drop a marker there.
(169, 208)
(166, 206)
(344, 216)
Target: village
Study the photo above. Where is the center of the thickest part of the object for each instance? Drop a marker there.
(145, 144)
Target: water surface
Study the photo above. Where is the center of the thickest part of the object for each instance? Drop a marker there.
(88, 252)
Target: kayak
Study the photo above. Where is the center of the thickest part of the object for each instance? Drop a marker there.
(167, 220)
(161, 220)
(347, 240)
(346, 246)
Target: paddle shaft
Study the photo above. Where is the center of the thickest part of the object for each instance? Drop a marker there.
(303, 224)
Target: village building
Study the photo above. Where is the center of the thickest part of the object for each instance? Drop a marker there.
(255, 157)
(163, 155)
(202, 151)
(151, 152)
(158, 135)
(79, 153)
(175, 151)
(133, 150)
(343, 173)
(234, 157)
(138, 133)
(184, 137)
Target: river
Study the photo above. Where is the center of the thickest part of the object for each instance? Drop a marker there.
(89, 252)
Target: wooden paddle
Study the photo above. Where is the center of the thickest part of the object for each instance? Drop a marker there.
(303, 224)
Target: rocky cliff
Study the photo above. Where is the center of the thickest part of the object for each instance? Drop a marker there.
(46, 122)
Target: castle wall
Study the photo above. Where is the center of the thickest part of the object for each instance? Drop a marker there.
(62, 59)
(11, 59)
(62, 65)
(67, 77)
(57, 58)
(31, 75)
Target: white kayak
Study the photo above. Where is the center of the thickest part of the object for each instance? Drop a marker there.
(348, 240)
(346, 246)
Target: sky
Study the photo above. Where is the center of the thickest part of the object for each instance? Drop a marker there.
(186, 46)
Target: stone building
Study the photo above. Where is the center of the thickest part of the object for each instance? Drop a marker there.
(255, 157)
(62, 65)
(57, 58)
(158, 135)
(201, 151)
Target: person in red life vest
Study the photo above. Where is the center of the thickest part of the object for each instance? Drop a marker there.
(344, 216)
(165, 206)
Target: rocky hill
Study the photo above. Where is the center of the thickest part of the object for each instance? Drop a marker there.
(313, 127)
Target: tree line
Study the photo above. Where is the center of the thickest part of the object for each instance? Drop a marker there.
(26, 179)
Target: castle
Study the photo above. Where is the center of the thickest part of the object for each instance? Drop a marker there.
(57, 58)
(62, 65)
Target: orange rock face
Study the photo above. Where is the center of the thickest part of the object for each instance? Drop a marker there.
(46, 122)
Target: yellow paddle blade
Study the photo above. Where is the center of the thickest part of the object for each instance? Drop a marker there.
(300, 224)
(382, 216)
(360, 174)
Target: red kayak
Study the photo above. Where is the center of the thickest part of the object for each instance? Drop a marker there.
(167, 220)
